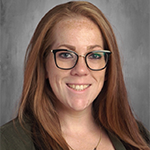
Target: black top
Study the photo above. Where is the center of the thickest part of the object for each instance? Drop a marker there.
(14, 137)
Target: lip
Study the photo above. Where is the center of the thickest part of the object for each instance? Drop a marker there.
(78, 87)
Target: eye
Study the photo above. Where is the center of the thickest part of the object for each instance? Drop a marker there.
(65, 55)
(95, 56)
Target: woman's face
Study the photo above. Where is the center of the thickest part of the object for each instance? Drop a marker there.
(76, 88)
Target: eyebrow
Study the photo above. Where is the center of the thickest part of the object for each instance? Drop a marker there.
(68, 46)
(94, 46)
(74, 48)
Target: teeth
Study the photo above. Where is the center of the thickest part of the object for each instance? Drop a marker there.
(78, 87)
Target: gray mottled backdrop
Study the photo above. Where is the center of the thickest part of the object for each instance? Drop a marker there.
(130, 20)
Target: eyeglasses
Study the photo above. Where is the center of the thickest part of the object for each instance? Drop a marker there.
(67, 59)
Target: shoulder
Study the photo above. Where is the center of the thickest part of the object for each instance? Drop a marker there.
(118, 145)
(144, 132)
(14, 137)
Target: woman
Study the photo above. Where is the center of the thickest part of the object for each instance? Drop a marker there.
(74, 96)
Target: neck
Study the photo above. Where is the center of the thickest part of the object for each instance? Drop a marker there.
(78, 128)
(76, 121)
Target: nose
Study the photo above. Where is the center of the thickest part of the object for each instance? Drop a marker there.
(81, 68)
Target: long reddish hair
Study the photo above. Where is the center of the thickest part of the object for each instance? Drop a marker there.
(110, 109)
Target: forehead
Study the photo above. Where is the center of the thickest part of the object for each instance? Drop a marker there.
(79, 32)
(77, 29)
(77, 21)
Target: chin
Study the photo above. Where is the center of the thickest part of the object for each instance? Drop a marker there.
(80, 107)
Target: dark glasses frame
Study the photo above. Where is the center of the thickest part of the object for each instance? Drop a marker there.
(107, 52)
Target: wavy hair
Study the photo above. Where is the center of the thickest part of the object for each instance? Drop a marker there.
(110, 109)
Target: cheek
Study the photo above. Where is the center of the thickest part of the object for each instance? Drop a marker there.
(54, 75)
(53, 79)
(100, 76)
(51, 75)
(50, 67)
(100, 79)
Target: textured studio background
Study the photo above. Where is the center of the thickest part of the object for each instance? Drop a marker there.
(131, 23)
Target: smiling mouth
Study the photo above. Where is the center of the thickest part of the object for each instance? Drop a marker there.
(78, 87)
